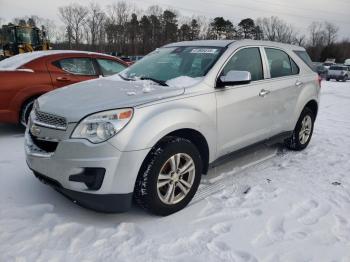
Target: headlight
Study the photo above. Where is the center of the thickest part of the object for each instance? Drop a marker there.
(100, 127)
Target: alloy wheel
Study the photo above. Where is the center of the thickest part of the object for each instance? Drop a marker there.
(176, 178)
(305, 131)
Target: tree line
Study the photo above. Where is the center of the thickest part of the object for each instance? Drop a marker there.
(126, 30)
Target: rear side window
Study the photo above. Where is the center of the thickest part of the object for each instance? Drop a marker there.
(77, 66)
(247, 59)
(110, 67)
(303, 55)
(280, 63)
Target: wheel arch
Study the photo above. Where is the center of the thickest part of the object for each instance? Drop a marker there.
(24, 96)
(197, 139)
(313, 106)
(24, 103)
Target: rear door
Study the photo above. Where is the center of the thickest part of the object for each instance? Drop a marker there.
(285, 86)
(71, 70)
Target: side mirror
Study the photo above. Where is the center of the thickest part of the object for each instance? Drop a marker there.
(234, 78)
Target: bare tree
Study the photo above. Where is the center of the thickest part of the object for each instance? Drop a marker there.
(74, 16)
(268, 27)
(275, 29)
(301, 40)
(331, 32)
(117, 18)
(94, 22)
(155, 10)
(317, 34)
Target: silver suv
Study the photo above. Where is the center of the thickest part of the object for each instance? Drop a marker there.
(152, 131)
(338, 72)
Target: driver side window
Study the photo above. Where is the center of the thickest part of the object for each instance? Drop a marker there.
(247, 59)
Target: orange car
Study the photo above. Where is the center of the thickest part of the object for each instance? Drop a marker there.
(25, 77)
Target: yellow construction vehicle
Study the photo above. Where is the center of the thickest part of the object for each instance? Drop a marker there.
(17, 39)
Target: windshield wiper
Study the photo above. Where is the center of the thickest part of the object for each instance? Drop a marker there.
(125, 78)
(162, 83)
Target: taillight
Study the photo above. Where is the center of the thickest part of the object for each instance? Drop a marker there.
(319, 80)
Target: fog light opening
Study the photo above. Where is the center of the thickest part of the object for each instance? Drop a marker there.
(91, 177)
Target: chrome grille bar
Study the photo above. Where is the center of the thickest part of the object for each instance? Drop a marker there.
(49, 120)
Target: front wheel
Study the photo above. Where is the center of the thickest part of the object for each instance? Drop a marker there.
(169, 177)
(303, 131)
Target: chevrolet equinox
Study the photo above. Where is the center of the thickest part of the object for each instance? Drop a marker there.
(150, 132)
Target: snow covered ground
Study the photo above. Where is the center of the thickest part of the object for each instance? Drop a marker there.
(293, 207)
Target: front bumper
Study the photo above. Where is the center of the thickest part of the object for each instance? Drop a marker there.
(107, 203)
(73, 156)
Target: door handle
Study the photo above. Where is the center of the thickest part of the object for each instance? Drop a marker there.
(264, 92)
(299, 83)
(63, 79)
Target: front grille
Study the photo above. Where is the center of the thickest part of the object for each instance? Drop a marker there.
(47, 146)
(49, 120)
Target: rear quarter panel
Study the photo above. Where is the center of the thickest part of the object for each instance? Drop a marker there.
(309, 91)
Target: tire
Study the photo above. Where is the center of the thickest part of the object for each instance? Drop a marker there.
(25, 111)
(151, 194)
(297, 143)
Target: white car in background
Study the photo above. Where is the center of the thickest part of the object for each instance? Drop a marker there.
(347, 62)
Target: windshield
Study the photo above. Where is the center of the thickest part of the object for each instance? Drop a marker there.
(27, 35)
(172, 62)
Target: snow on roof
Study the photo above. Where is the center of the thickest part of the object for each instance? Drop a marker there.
(22, 59)
(218, 43)
(224, 43)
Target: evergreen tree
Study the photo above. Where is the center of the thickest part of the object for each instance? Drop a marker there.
(194, 30)
(247, 29)
(169, 24)
(185, 33)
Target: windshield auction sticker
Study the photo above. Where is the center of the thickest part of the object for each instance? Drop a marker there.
(204, 51)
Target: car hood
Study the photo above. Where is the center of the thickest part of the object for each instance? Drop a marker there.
(76, 101)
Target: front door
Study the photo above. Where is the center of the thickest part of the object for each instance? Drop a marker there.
(72, 70)
(243, 111)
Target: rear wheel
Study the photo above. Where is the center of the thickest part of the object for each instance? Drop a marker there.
(303, 131)
(169, 177)
(25, 111)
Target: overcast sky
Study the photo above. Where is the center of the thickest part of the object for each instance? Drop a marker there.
(300, 13)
